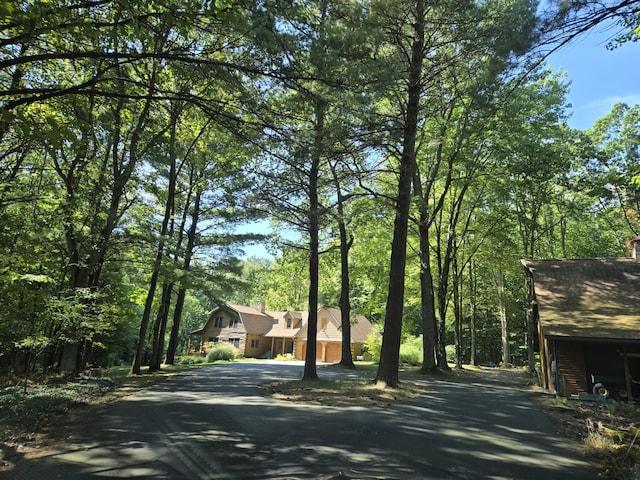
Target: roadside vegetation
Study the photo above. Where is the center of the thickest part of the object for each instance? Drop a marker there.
(607, 432)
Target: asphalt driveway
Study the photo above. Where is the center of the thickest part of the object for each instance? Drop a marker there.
(213, 423)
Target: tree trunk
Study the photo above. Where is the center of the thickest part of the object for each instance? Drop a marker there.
(457, 311)
(504, 326)
(172, 347)
(472, 314)
(390, 351)
(345, 303)
(346, 359)
(177, 313)
(160, 328)
(428, 307)
(168, 213)
(310, 371)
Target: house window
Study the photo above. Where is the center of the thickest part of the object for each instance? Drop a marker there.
(255, 343)
(217, 322)
(233, 323)
(288, 323)
(235, 342)
(212, 339)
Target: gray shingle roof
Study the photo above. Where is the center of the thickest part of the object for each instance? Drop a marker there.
(588, 299)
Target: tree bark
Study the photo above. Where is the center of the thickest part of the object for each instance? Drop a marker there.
(390, 350)
(428, 307)
(346, 359)
(160, 328)
(472, 314)
(457, 311)
(168, 212)
(504, 326)
(177, 312)
(310, 370)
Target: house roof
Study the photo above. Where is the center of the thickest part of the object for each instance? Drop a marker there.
(254, 320)
(588, 299)
(360, 327)
(279, 323)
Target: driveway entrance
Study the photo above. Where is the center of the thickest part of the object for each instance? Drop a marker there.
(213, 423)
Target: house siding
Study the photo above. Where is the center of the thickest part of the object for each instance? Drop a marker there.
(264, 345)
(226, 334)
(326, 352)
(571, 367)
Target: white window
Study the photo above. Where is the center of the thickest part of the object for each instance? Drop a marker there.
(255, 343)
(235, 342)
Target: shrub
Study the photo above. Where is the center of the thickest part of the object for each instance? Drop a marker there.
(223, 352)
(411, 350)
(451, 353)
(410, 354)
(373, 344)
(286, 356)
(190, 360)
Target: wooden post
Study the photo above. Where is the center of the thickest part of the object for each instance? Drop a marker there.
(545, 374)
(627, 373)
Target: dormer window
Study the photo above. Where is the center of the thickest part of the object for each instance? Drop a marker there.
(288, 323)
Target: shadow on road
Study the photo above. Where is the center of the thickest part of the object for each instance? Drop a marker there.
(214, 423)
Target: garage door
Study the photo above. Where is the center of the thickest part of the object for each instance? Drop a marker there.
(332, 353)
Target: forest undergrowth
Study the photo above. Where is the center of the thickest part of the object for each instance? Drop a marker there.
(51, 408)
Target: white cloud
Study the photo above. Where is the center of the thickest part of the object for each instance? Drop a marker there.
(585, 116)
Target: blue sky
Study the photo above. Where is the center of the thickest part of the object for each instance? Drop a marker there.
(599, 77)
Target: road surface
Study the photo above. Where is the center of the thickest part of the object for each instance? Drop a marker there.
(214, 423)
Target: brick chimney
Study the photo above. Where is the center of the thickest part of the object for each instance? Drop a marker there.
(260, 306)
(635, 248)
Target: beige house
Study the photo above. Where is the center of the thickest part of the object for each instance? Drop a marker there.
(258, 333)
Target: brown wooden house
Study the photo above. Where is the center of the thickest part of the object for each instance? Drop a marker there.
(587, 314)
(258, 333)
(243, 327)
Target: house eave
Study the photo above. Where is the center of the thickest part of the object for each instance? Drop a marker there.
(565, 338)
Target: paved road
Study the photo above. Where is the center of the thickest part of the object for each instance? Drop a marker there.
(212, 423)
